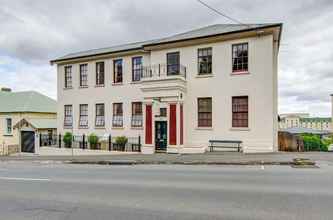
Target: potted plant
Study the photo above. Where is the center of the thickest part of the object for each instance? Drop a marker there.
(68, 137)
(121, 141)
(93, 141)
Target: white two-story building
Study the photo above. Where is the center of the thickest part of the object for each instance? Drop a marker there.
(179, 92)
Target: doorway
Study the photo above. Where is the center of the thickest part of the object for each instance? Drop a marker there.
(28, 141)
(161, 139)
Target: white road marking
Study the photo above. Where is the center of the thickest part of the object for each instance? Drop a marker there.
(23, 179)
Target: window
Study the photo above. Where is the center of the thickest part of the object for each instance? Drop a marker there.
(204, 61)
(100, 115)
(68, 77)
(100, 74)
(240, 111)
(163, 112)
(117, 119)
(204, 112)
(68, 116)
(84, 75)
(240, 57)
(137, 114)
(8, 126)
(173, 63)
(118, 71)
(136, 68)
(83, 121)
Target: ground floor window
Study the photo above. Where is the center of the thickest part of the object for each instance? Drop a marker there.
(68, 116)
(240, 111)
(117, 119)
(137, 117)
(204, 112)
(100, 115)
(83, 121)
(8, 126)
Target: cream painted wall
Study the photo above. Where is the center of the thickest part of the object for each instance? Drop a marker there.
(260, 85)
(16, 117)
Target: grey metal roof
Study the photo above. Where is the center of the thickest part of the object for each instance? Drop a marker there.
(304, 131)
(211, 30)
(29, 101)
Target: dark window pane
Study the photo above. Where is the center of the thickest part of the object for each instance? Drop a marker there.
(240, 57)
(204, 112)
(240, 111)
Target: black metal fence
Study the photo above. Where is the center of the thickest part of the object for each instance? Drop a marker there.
(48, 140)
(105, 142)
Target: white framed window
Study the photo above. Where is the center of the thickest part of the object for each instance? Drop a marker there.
(8, 126)
(68, 116)
(83, 121)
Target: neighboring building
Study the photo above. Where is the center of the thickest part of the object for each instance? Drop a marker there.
(24, 115)
(303, 120)
(216, 82)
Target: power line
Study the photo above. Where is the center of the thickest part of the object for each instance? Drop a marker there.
(221, 13)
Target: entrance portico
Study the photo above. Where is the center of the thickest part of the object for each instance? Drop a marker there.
(164, 93)
(163, 129)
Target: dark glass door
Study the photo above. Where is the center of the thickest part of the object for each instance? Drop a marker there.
(161, 135)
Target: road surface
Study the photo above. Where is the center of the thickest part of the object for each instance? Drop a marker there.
(30, 190)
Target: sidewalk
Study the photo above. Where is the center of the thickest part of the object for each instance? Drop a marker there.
(218, 158)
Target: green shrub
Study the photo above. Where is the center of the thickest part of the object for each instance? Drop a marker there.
(93, 141)
(68, 137)
(121, 140)
(313, 142)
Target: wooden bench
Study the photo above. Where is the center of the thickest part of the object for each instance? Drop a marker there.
(223, 144)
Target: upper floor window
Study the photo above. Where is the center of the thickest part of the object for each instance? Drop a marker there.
(100, 73)
(136, 68)
(83, 121)
(240, 57)
(68, 76)
(118, 71)
(68, 116)
(9, 125)
(205, 61)
(117, 118)
(173, 63)
(240, 112)
(204, 112)
(100, 115)
(137, 117)
(83, 75)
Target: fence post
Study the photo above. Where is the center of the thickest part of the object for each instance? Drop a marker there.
(59, 141)
(110, 143)
(84, 141)
(139, 143)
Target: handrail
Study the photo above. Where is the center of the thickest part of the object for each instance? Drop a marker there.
(163, 70)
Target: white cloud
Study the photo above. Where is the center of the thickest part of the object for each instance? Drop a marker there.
(35, 31)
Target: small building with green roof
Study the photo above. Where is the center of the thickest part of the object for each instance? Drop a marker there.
(23, 117)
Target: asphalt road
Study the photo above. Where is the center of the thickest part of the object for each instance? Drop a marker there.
(61, 191)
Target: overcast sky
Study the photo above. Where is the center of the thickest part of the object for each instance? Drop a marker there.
(35, 31)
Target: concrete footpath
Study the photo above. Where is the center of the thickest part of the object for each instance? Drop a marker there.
(216, 158)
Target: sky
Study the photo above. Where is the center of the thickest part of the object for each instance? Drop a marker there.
(35, 31)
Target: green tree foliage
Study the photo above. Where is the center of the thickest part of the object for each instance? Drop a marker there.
(68, 137)
(313, 142)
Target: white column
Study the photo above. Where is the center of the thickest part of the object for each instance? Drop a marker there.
(37, 134)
